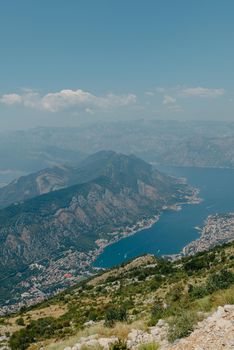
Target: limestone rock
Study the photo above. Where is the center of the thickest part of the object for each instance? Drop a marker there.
(216, 332)
(106, 342)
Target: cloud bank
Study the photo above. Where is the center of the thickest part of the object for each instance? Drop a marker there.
(168, 100)
(202, 92)
(67, 99)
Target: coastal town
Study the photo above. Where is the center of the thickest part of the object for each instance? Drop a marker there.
(218, 229)
(48, 278)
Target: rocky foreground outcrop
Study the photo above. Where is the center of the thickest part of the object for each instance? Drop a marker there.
(136, 337)
(213, 333)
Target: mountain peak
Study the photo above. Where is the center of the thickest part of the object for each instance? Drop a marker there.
(103, 163)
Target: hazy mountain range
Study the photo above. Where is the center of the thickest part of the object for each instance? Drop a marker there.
(161, 142)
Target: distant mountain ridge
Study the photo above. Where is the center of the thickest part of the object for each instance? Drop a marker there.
(163, 142)
(116, 191)
(56, 178)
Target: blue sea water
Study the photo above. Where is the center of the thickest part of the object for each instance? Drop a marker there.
(176, 229)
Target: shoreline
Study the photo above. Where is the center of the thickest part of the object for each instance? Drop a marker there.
(133, 230)
(193, 199)
(192, 166)
(217, 229)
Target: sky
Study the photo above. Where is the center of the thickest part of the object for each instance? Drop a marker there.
(65, 62)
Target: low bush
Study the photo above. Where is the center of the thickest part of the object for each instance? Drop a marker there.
(157, 312)
(216, 281)
(119, 345)
(115, 314)
(181, 325)
(36, 330)
(20, 321)
(221, 280)
(149, 346)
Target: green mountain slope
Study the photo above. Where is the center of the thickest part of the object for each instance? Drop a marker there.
(118, 191)
(135, 295)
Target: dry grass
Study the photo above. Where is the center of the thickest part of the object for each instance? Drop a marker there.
(149, 346)
(120, 330)
(223, 297)
(53, 310)
(142, 260)
(98, 347)
(211, 302)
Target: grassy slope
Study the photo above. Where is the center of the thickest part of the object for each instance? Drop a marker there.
(143, 291)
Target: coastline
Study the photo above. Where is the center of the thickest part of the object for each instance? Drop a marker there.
(143, 224)
(87, 260)
(139, 226)
(217, 229)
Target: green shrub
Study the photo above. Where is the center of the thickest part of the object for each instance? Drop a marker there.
(181, 325)
(197, 292)
(155, 283)
(119, 345)
(115, 314)
(36, 330)
(20, 321)
(92, 315)
(2, 321)
(195, 264)
(216, 281)
(205, 304)
(149, 346)
(164, 267)
(175, 292)
(221, 280)
(157, 312)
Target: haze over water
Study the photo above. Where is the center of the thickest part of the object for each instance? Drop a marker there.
(176, 229)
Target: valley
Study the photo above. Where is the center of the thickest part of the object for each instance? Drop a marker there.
(177, 229)
(169, 232)
(107, 210)
(50, 241)
(116, 175)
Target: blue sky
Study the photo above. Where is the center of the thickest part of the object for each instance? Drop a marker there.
(66, 61)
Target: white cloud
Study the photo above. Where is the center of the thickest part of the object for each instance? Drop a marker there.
(175, 108)
(89, 110)
(160, 90)
(66, 99)
(202, 92)
(184, 91)
(149, 93)
(10, 99)
(167, 100)
(154, 92)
